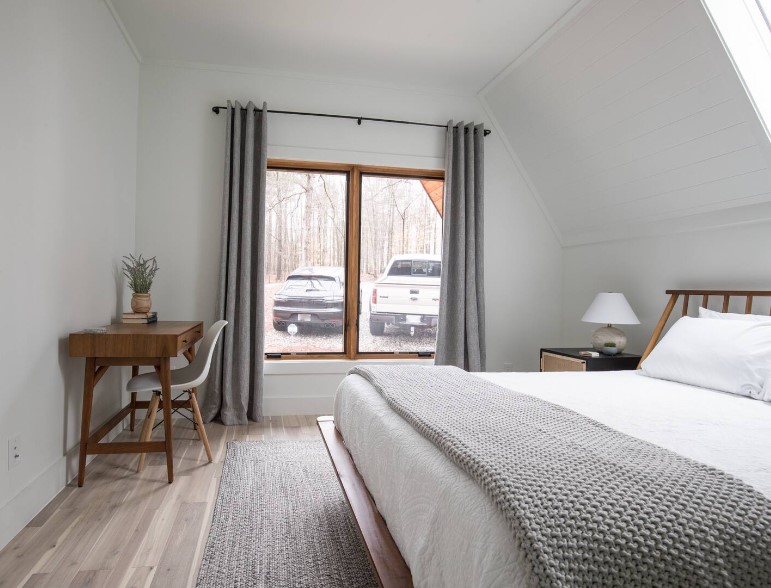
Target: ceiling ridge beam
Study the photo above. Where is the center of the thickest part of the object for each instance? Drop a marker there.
(570, 15)
(124, 31)
(520, 167)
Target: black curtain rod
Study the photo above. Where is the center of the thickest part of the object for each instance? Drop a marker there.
(358, 119)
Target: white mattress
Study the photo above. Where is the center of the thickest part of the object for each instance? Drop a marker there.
(448, 530)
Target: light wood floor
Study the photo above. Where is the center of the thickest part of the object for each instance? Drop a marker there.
(124, 529)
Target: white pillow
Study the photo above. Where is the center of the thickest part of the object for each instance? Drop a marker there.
(713, 314)
(731, 356)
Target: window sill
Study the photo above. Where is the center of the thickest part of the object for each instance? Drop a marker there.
(329, 366)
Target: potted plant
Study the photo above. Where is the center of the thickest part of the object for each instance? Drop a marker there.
(610, 348)
(140, 273)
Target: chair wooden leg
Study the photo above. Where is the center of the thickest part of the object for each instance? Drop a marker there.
(147, 428)
(133, 416)
(200, 427)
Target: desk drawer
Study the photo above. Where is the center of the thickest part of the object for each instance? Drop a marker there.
(190, 337)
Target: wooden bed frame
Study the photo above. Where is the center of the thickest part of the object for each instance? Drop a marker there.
(726, 295)
(387, 561)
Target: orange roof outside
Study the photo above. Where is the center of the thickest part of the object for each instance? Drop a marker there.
(435, 191)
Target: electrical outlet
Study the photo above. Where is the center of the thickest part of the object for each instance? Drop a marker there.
(14, 452)
(508, 367)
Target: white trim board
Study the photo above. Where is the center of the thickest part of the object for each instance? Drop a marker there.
(124, 31)
(298, 405)
(521, 169)
(572, 13)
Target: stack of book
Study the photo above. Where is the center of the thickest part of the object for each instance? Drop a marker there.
(140, 317)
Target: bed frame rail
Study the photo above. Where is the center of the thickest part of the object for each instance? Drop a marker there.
(726, 295)
(387, 561)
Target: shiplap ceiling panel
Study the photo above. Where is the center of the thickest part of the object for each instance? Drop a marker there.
(696, 185)
(663, 125)
(456, 45)
(696, 135)
(634, 35)
(630, 116)
(586, 29)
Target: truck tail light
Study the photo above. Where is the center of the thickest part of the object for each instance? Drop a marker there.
(374, 295)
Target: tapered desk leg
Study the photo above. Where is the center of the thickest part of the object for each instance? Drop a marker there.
(85, 420)
(166, 391)
(133, 419)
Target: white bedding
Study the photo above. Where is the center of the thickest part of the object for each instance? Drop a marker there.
(448, 530)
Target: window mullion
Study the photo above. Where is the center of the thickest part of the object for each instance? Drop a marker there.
(352, 266)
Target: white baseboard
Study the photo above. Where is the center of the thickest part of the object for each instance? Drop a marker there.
(22, 508)
(298, 405)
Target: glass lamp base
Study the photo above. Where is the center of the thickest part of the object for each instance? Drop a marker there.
(609, 334)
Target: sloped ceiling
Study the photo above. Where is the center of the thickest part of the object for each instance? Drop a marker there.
(631, 121)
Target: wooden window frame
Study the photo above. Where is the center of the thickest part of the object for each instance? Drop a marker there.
(352, 250)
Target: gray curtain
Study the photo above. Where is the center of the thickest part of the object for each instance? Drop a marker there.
(234, 392)
(461, 332)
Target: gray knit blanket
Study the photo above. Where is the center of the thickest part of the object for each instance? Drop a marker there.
(587, 505)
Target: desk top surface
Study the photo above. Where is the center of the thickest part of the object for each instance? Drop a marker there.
(161, 339)
(159, 328)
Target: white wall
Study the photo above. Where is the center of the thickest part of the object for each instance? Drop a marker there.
(631, 121)
(67, 187)
(731, 258)
(179, 191)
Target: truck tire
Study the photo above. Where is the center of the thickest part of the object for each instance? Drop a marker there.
(279, 327)
(376, 328)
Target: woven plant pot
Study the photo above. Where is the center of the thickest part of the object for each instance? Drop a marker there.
(141, 302)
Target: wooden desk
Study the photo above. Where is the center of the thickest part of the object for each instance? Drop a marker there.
(135, 345)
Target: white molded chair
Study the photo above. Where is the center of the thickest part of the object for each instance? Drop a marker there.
(188, 379)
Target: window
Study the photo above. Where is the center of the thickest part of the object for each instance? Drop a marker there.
(352, 261)
(765, 11)
(743, 27)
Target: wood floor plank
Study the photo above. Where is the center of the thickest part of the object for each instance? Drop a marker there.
(16, 555)
(140, 578)
(36, 580)
(115, 539)
(176, 565)
(210, 502)
(200, 481)
(51, 507)
(157, 534)
(129, 530)
(291, 421)
(15, 570)
(121, 571)
(66, 559)
(90, 579)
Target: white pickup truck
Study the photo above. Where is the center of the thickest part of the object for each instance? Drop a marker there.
(407, 294)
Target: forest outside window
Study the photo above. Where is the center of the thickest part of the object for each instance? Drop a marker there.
(352, 261)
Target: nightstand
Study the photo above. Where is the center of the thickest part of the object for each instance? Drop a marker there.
(566, 359)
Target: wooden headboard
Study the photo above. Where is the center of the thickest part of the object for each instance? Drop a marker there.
(726, 295)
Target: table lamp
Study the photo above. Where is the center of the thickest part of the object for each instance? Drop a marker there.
(608, 308)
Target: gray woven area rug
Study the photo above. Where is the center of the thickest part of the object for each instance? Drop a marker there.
(281, 520)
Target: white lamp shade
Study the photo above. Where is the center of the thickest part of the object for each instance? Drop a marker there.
(610, 308)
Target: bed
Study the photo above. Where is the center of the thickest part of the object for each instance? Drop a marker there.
(442, 527)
